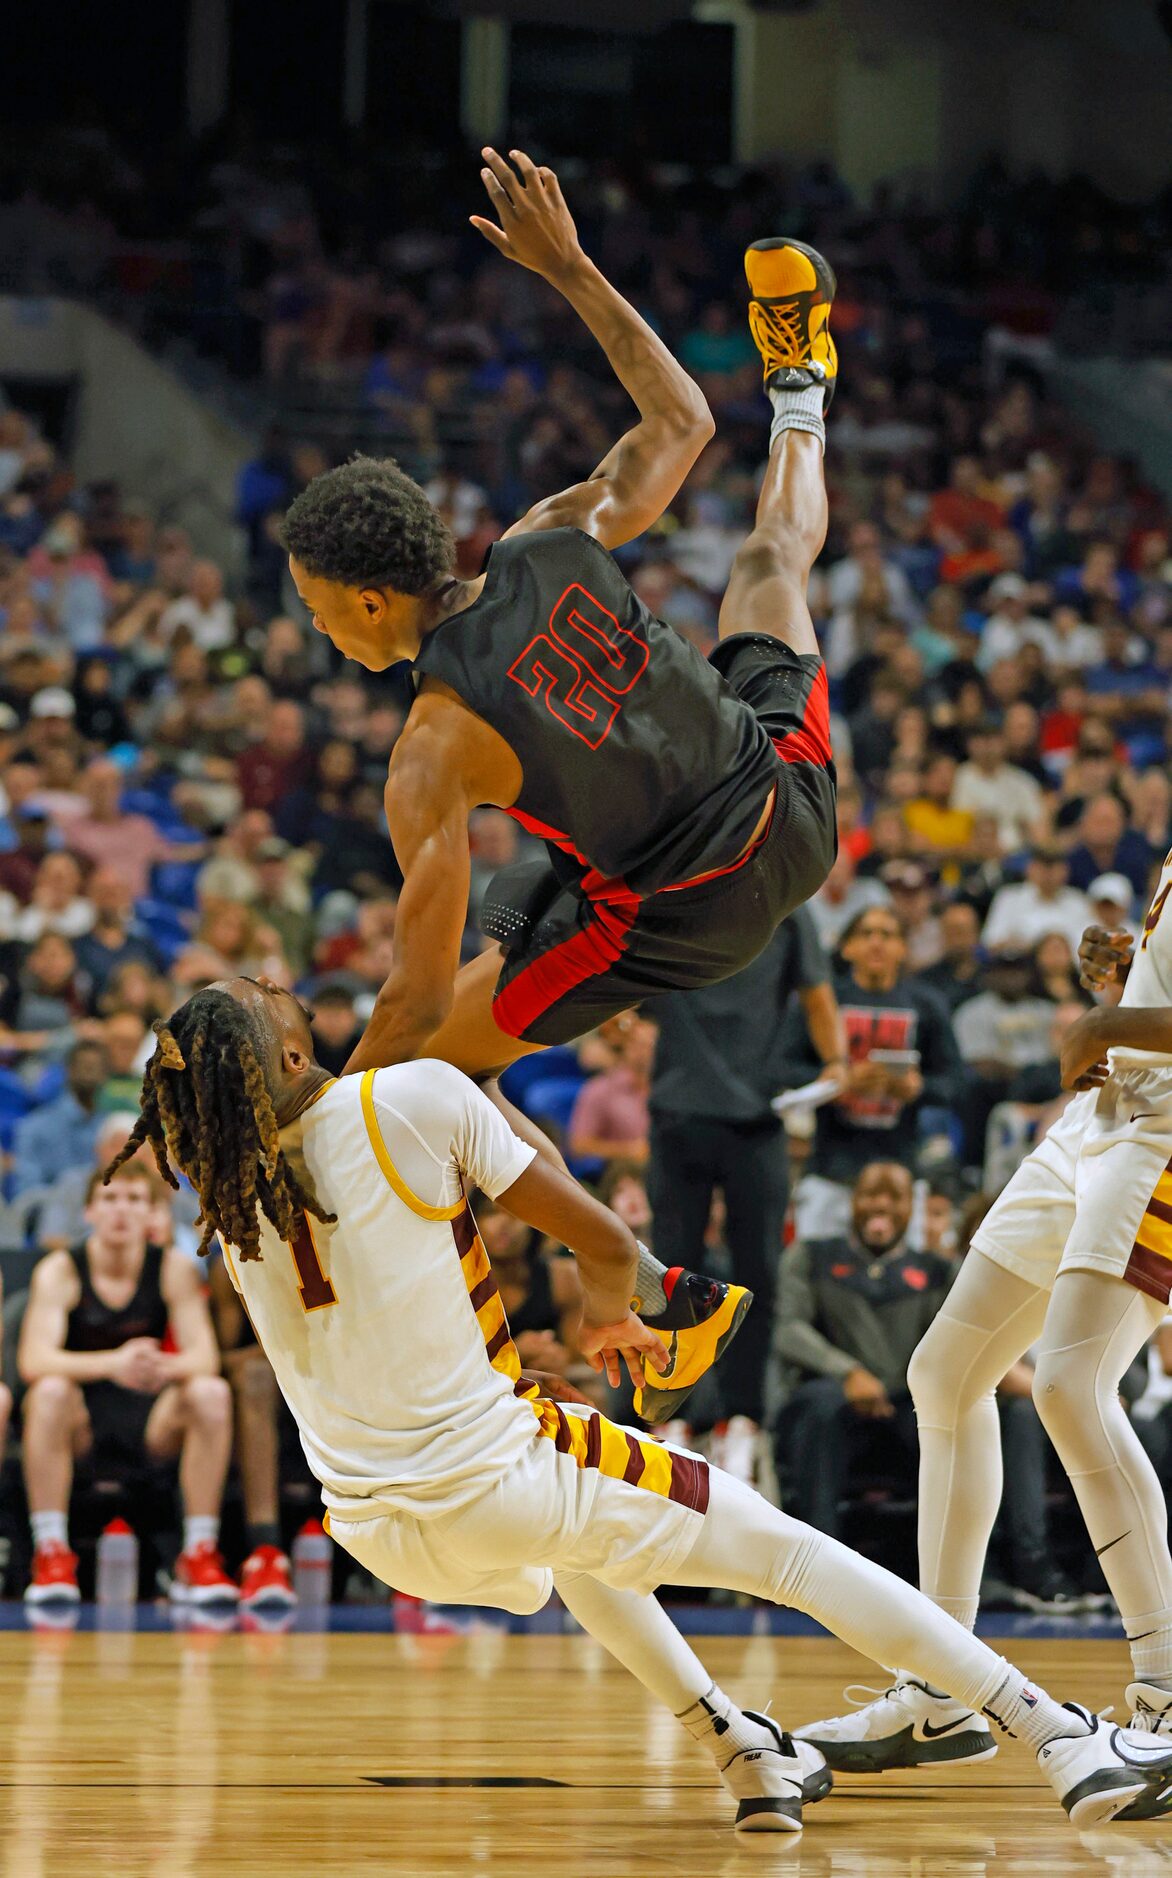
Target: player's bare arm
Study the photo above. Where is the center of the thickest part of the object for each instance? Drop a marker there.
(634, 483)
(429, 797)
(1111, 1027)
(607, 1258)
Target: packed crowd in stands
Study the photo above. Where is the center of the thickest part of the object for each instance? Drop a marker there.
(191, 786)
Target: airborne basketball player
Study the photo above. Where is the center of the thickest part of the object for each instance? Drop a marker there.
(447, 1473)
(687, 804)
(1075, 1257)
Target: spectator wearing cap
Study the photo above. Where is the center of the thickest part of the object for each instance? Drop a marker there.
(51, 725)
(61, 1134)
(282, 901)
(1111, 901)
(912, 886)
(1010, 625)
(1042, 903)
(987, 785)
(1106, 845)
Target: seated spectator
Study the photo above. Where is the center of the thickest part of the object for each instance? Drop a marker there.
(108, 837)
(987, 785)
(986, 873)
(232, 873)
(31, 827)
(5, 1391)
(1043, 903)
(61, 1135)
(1002, 1030)
(886, 1015)
(1056, 969)
(202, 611)
(336, 1024)
(266, 1577)
(229, 941)
(852, 1306)
(1111, 902)
(623, 1188)
(956, 973)
(101, 1384)
(912, 886)
(610, 1119)
(128, 1046)
(61, 1220)
(936, 827)
(117, 936)
(270, 768)
(1106, 845)
(282, 902)
(57, 903)
(42, 1000)
(842, 897)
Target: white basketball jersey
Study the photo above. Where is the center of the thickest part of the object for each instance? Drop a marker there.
(385, 1330)
(1149, 982)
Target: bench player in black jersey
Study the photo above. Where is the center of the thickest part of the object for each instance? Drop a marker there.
(687, 804)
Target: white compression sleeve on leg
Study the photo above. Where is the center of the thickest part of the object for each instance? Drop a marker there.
(747, 1545)
(641, 1636)
(989, 1319)
(1095, 1327)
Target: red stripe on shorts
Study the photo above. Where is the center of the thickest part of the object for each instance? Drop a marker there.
(539, 985)
(810, 744)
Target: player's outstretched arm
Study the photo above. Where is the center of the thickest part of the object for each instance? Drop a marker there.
(634, 483)
(427, 813)
(547, 1197)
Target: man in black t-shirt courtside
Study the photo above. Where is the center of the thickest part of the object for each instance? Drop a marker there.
(687, 804)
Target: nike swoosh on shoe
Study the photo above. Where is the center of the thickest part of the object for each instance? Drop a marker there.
(931, 1733)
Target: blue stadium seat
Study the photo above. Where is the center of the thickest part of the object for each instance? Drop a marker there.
(174, 882)
(166, 926)
(520, 1076)
(550, 1102)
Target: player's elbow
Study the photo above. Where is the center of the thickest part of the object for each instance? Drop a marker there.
(694, 422)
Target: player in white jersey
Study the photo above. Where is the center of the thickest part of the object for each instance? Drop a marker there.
(453, 1476)
(1074, 1257)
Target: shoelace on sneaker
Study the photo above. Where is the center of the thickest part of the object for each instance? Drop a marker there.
(778, 328)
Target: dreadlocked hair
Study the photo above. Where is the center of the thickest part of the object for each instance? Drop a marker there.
(206, 1107)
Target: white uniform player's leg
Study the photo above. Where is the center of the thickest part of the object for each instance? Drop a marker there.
(987, 1322)
(755, 1761)
(1094, 1329)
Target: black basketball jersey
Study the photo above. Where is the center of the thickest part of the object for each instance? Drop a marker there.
(639, 761)
(93, 1325)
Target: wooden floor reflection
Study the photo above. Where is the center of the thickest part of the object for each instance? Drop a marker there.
(155, 1756)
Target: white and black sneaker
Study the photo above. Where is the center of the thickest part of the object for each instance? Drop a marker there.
(771, 1785)
(908, 1725)
(1110, 1773)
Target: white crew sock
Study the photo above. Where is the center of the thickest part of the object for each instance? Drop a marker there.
(1030, 1714)
(797, 410)
(49, 1528)
(650, 1297)
(717, 1724)
(962, 1610)
(200, 1529)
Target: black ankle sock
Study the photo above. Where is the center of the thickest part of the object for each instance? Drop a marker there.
(265, 1532)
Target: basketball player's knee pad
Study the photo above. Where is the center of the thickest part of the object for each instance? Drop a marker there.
(1069, 1398)
(946, 1377)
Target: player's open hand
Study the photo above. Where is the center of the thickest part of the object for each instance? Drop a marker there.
(628, 1340)
(1103, 957)
(536, 228)
(1083, 1058)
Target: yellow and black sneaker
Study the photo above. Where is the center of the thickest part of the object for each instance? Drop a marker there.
(702, 1318)
(792, 289)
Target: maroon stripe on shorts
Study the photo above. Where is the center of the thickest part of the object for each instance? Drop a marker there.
(1159, 1209)
(636, 1462)
(593, 1441)
(1148, 1272)
(689, 1482)
(561, 1440)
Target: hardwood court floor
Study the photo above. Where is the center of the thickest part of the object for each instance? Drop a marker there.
(157, 1756)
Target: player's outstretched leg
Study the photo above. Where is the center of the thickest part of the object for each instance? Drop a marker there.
(792, 288)
(768, 1774)
(1098, 1771)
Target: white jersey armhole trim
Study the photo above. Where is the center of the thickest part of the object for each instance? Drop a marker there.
(390, 1172)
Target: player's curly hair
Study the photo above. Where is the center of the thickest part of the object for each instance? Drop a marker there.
(206, 1107)
(367, 524)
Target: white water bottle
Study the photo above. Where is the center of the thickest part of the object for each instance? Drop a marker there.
(313, 1564)
(117, 1575)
